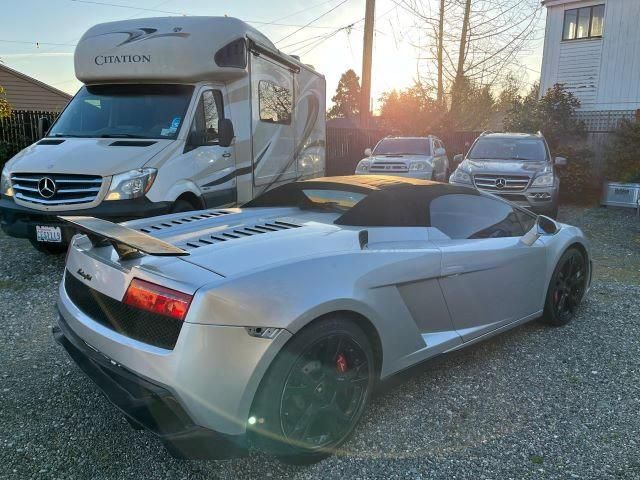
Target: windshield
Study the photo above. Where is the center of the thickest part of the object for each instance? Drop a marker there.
(125, 111)
(509, 149)
(403, 146)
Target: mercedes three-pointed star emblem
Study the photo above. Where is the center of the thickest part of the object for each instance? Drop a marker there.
(47, 187)
(501, 182)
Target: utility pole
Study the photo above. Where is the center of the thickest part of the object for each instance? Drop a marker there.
(367, 55)
(440, 45)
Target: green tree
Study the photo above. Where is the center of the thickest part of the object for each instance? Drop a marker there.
(5, 108)
(412, 111)
(346, 101)
(472, 106)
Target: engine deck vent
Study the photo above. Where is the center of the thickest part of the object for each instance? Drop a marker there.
(241, 232)
(184, 220)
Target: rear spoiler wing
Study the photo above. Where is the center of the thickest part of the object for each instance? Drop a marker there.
(127, 242)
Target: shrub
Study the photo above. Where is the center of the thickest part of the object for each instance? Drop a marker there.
(623, 153)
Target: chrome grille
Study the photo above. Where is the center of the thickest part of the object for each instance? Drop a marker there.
(69, 189)
(390, 167)
(501, 183)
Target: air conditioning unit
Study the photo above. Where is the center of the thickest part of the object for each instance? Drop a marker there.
(621, 194)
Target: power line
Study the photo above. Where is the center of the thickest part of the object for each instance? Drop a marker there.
(37, 44)
(173, 12)
(312, 21)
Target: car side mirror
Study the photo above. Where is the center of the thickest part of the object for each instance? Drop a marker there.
(367, 152)
(440, 152)
(543, 226)
(43, 126)
(225, 132)
(458, 158)
(560, 161)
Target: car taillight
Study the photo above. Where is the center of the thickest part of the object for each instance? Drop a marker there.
(154, 298)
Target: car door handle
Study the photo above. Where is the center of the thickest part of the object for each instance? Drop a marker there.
(226, 154)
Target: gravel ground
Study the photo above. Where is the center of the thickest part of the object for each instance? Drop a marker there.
(535, 402)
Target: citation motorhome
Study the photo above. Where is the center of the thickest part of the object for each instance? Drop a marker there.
(176, 114)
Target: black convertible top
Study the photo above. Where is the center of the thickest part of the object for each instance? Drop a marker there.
(390, 201)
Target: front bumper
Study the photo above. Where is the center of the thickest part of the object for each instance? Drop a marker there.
(538, 200)
(19, 221)
(147, 405)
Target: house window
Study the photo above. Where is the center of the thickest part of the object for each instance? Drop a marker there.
(586, 22)
(275, 103)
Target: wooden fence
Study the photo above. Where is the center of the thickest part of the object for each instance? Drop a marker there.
(21, 128)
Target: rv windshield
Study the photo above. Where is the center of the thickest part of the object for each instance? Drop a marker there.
(125, 111)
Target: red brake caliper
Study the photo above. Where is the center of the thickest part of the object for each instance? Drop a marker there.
(341, 363)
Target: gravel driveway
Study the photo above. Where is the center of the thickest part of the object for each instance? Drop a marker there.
(535, 402)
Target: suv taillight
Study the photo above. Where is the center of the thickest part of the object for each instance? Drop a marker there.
(154, 298)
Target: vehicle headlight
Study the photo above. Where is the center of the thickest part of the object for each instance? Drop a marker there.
(132, 184)
(544, 180)
(363, 166)
(460, 176)
(417, 166)
(5, 184)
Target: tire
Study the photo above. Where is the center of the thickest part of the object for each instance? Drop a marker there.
(50, 248)
(314, 392)
(181, 205)
(566, 288)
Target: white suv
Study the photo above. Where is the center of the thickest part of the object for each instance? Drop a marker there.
(416, 157)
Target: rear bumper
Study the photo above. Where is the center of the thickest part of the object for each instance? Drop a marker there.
(19, 221)
(148, 405)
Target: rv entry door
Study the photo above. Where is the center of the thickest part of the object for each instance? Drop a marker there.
(211, 166)
(273, 131)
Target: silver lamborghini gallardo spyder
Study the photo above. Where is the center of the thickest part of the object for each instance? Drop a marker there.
(268, 326)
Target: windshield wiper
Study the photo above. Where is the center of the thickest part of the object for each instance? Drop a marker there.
(120, 135)
(67, 135)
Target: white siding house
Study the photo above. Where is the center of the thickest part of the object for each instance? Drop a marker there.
(593, 48)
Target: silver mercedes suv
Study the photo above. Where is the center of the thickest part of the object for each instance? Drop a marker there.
(515, 166)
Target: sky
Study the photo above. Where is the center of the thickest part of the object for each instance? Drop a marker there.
(37, 37)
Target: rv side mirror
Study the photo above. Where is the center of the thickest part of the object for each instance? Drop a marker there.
(458, 158)
(225, 132)
(560, 161)
(43, 126)
(367, 152)
(195, 139)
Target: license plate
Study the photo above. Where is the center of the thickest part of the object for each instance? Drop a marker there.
(48, 234)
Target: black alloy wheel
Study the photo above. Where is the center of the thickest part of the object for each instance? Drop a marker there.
(324, 392)
(315, 392)
(567, 287)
